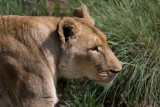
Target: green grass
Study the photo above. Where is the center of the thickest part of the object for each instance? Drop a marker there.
(133, 33)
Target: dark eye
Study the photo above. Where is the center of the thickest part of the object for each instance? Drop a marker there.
(95, 49)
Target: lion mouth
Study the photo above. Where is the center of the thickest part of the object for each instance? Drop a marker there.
(106, 74)
(103, 74)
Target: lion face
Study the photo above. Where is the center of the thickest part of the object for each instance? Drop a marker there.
(85, 52)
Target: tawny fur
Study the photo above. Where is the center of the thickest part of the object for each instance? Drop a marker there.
(35, 51)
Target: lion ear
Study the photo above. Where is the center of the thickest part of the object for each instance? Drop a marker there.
(82, 12)
(68, 28)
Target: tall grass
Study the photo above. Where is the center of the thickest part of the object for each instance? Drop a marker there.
(23, 7)
(133, 33)
(132, 28)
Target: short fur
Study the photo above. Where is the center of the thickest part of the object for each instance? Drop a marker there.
(34, 51)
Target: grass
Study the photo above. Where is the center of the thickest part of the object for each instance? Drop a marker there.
(133, 33)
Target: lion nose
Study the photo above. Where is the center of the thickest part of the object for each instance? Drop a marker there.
(115, 72)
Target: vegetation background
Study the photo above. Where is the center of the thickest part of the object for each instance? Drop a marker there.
(133, 32)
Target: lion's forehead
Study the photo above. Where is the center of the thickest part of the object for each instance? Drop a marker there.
(98, 33)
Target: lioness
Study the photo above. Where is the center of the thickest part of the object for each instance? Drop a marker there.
(34, 51)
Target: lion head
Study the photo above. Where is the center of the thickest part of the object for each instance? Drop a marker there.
(85, 52)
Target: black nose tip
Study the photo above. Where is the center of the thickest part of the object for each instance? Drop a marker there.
(114, 71)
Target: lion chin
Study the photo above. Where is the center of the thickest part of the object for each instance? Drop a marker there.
(108, 83)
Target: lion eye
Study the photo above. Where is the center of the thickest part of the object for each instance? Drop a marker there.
(95, 49)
